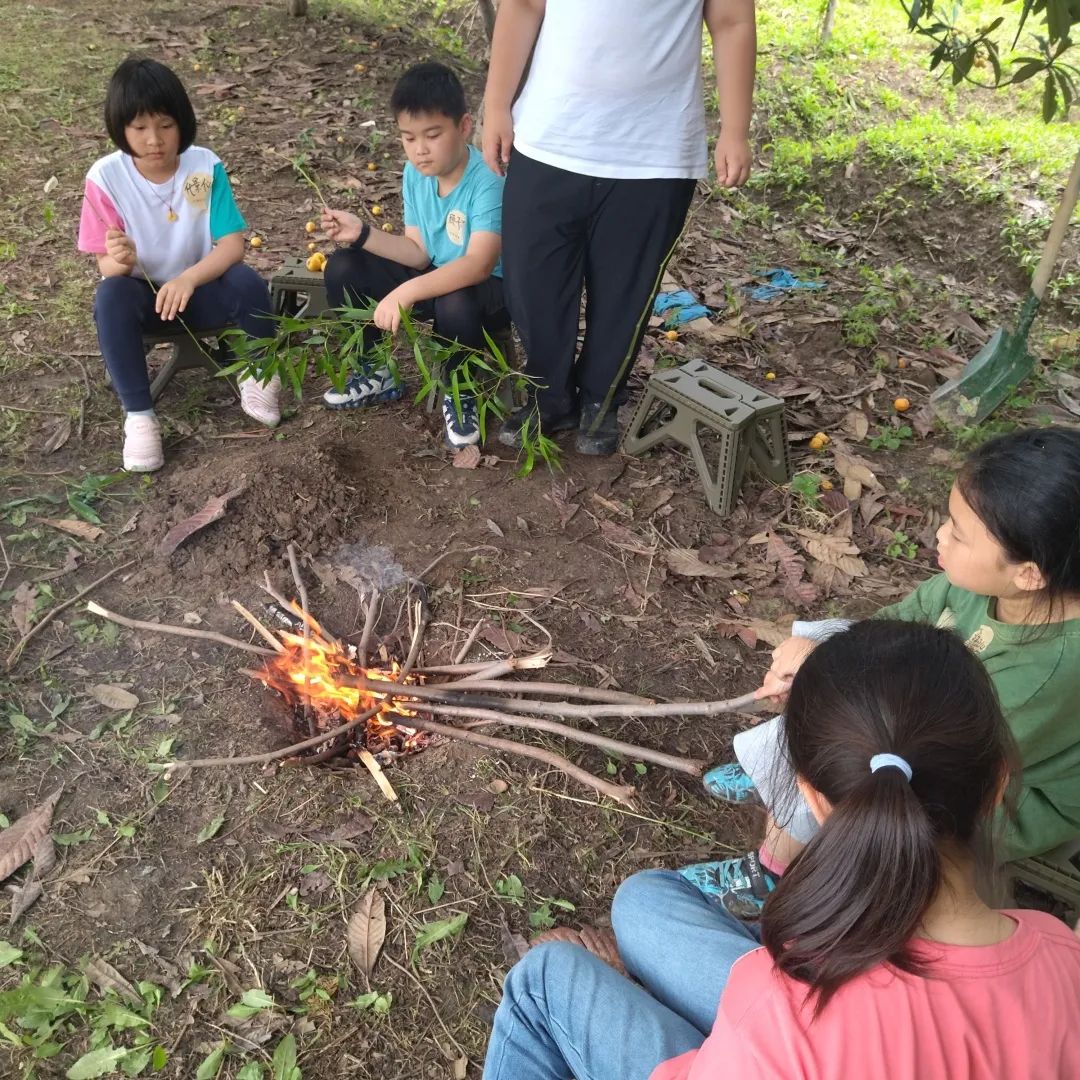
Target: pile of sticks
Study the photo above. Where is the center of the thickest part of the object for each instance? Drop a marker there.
(473, 695)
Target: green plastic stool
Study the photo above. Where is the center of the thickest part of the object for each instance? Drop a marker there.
(212, 353)
(297, 291)
(685, 403)
(1055, 874)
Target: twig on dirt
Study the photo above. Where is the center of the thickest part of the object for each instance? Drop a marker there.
(178, 631)
(273, 755)
(258, 626)
(434, 1008)
(550, 689)
(417, 640)
(7, 564)
(455, 551)
(21, 644)
(301, 591)
(474, 633)
(690, 766)
(371, 616)
(622, 793)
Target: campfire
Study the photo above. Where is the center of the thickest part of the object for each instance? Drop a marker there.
(350, 706)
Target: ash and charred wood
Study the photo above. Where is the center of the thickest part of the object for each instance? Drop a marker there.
(273, 755)
(690, 766)
(621, 793)
(177, 631)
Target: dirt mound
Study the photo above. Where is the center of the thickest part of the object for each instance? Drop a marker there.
(309, 498)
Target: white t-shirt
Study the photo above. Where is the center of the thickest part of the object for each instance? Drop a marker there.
(615, 90)
(174, 225)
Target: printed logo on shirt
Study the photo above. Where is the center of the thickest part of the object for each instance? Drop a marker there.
(197, 190)
(946, 620)
(982, 637)
(455, 226)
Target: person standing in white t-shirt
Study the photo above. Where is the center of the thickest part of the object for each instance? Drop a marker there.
(159, 214)
(595, 110)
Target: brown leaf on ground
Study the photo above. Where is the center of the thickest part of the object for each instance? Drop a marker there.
(505, 640)
(211, 512)
(44, 856)
(367, 931)
(687, 563)
(856, 424)
(19, 842)
(601, 943)
(514, 946)
(836, 551)
(104, 975)
(22, 606)
(82, 529)
(792, 570)
(853, 467)
(468, 457)
(113, 697)
(72, 558)
(60, 435)
(22, 897)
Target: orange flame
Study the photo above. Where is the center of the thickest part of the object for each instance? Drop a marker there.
(318, 681)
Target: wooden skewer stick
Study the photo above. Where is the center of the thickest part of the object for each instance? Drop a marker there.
(178, 631)
(474, 633)
(523, 663)
(545, 689)
(690, 766)
(258, 626)
(379, 776)
(621, 793)
(510, 665)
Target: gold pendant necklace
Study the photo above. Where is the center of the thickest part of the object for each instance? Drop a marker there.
(171, 214)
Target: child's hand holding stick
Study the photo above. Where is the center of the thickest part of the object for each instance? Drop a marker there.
(787, 658)
(340, 226)
(120, 247)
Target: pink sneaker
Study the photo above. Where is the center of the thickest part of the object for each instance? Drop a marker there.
(142, 444)
(261, 402)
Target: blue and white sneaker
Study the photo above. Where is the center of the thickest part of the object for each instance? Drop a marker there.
(463, 430)
(364, 389)
(731, 784)
(740, 886)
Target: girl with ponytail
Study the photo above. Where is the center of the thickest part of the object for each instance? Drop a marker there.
(879, 957)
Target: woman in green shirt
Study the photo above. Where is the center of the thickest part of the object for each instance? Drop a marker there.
(1010, 587)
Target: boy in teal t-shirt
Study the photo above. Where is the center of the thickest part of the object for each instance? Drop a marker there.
(447, 265)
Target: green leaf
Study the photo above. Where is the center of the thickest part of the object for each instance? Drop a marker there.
(437, 931)
(1049, 98)
(99, 1062)
(211, 1064)
(69, 839)
(9, 954)
(160, 1058)
(283, 1063)
(253, 1070)
(136, 1062)
(252, 1002)
(435, 890)
(210, 830)
(164, 748)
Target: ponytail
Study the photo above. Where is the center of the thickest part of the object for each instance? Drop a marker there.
(854, 898)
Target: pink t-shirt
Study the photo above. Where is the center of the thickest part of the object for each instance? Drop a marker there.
(989, 1013)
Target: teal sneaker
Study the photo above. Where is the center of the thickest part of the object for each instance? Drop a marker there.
(740, 886)
(731, 784)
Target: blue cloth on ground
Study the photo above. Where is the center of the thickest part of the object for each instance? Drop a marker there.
(682, 305)
(778, 282)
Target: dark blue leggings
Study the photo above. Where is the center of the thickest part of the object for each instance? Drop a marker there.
(124, 311)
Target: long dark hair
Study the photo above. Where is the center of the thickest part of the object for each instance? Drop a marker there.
(1025, 487)
(854, 897)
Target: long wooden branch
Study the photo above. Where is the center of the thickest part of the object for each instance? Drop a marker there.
(622, 793)
(690, 766)
(440, 692)
(301, 591)
(550, 689)
(177, 631)
(273, 755)
(475, 667)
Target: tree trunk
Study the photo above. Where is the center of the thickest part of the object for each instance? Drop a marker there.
(487, 10)
(296, 7)
(827, 24)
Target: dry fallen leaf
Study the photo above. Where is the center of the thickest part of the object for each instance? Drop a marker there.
(20, 841)
(22, 897)
(685, 562)
(836, 551)
(60, 435)
(113, 697)
(22, 606)
(468, 457)
(211, 512)
(367, 931)
(851, 467)
(82, 529)
(104, 975)
(493, 527)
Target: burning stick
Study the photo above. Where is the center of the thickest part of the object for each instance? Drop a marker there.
(289, 605)
(690, 766)
(302, 593)
(180, 631)
(621, 793)
(258, 626)
(485, 669)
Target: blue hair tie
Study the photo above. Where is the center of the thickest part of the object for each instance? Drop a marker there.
(894, 761)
